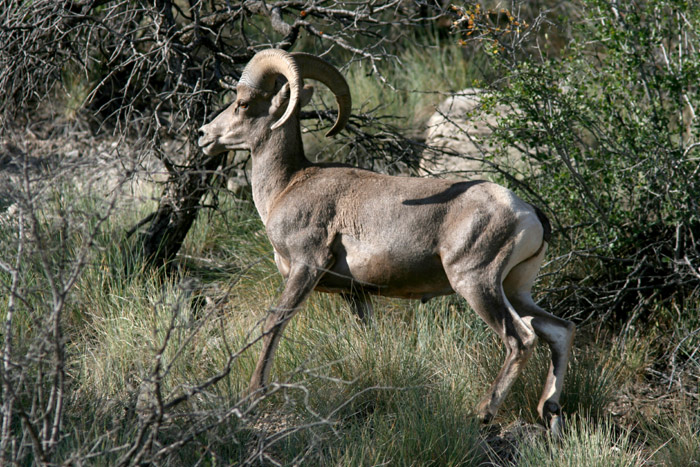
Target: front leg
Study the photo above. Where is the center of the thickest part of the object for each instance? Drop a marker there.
(302, 279)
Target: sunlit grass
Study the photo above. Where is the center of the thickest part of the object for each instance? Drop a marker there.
(585, 443)
(393, 389)
(401, 390)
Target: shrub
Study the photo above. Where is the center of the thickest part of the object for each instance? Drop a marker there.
(610, 122)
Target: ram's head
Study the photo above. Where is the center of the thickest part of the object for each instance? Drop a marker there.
(268, 98)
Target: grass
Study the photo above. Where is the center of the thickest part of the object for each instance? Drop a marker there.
(585, 443)
(677, 435)
(413, 88)
(399, 392)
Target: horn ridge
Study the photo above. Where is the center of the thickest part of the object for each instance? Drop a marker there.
(262, 70)
(316, 68)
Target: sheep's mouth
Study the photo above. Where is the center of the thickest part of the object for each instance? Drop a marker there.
(203, 143)
(210, 147)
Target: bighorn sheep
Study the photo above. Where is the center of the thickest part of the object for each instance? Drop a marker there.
(346, 230)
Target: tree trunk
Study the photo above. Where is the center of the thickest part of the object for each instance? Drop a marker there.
(178, 208)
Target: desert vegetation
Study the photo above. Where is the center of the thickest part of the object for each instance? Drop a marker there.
(135, 279)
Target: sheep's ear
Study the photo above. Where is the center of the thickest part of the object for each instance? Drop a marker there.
(280, 100)
(306, 93)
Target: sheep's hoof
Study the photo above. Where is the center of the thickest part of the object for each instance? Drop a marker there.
(255, 392)
(557, 425)
(553, 418)
(485, 417)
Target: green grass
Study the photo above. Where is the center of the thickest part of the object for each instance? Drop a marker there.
(415, 93)
(673, 435)
(585, 443)
(401, 391)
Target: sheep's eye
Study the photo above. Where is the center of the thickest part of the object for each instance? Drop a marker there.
(243, 105)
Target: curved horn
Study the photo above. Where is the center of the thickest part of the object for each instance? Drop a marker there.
(313, 67)
(262, 70)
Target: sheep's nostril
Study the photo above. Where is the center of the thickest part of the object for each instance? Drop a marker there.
(200, 133)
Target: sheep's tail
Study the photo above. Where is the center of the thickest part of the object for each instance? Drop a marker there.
(546, 226)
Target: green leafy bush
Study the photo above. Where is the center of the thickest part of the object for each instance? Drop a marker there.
(610, 122)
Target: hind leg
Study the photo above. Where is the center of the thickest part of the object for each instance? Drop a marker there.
(485, 296)
(557, 332)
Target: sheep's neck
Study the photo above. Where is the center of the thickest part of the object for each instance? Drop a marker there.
(274, 163)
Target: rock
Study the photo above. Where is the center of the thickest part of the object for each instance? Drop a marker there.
(457, 138)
